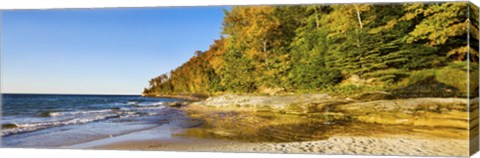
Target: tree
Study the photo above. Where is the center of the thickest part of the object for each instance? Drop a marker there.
(314, 47)
(442, 25)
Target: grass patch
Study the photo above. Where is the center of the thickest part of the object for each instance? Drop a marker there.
(448, 81)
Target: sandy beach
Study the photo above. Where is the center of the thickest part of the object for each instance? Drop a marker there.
(388, 145)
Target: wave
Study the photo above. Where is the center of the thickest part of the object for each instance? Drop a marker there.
(56, 119)
(132, 102)
(56, 114)
(136, 103)
(28, 127)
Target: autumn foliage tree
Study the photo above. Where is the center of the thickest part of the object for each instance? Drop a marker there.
(316, 47)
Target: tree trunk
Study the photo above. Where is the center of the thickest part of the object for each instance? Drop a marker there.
(265, 51)
(359, 17)
(360, 23)
(316, 16)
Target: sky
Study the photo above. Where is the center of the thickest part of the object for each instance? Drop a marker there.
(100, 51)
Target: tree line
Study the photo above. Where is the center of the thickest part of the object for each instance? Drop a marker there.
(321, 47)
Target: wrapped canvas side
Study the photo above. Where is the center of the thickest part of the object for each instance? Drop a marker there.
(473, 76)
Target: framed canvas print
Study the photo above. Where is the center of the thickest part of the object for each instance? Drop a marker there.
(353, 78)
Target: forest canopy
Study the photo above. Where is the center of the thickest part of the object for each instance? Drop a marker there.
(339, 48)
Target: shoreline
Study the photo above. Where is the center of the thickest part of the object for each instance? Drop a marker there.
(188, 97)
(161, 132)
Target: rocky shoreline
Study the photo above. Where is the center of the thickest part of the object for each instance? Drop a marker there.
(430, 112)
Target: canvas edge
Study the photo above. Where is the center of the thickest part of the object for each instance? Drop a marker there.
(1, 76)
(473, 97)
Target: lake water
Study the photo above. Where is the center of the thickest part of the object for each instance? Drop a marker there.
(49, 121)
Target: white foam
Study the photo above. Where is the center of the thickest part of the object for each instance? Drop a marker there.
(79, 112)
(151, 104)
(81, 117)
(132, 103)
(27, 127)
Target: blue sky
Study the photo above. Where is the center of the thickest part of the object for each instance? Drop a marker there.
(100, 51)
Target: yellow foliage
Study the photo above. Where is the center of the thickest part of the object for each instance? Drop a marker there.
(344, 18)
(459, 53)
(390, 24)
(413, 10)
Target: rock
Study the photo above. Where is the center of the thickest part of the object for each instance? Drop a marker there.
(429, 112)
(9, 125)
(376, 95)
(271, 91)
(414, 104)
(177, 104)
(273, 102)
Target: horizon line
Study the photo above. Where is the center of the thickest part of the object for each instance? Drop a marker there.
(69, 93)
